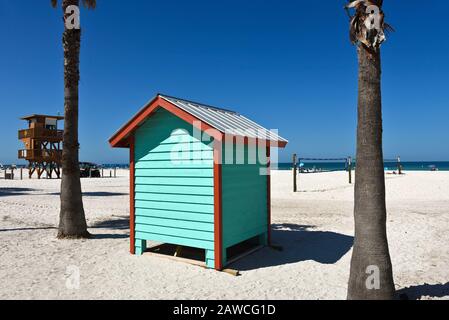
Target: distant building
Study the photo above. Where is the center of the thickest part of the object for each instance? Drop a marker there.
(43, 142)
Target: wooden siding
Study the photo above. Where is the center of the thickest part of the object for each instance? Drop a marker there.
(174, 186)
(244, 194)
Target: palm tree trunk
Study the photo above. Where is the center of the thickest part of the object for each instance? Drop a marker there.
(72, 220)
(370, 252)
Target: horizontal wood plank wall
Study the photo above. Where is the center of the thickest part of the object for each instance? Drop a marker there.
(244, 196)
(174, 186)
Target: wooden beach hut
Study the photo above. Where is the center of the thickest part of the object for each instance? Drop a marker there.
(199, 177)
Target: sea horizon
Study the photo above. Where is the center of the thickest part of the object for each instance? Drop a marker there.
(388, 165)
(313, 166)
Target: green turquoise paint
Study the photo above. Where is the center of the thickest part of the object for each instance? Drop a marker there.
(174, 185)
(244, 196)
(174, 189)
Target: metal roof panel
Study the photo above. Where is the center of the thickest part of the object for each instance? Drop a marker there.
(224, 120)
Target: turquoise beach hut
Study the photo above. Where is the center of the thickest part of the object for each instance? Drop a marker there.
(199, 177)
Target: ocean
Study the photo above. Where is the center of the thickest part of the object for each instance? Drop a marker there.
(340, 166)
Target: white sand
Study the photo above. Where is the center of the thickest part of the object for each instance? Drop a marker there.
(314, 226)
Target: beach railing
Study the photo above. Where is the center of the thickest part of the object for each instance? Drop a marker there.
(399, 165)
(349, 164)
(295, 169)
(348, 167)
(40, 133)
(32, 154)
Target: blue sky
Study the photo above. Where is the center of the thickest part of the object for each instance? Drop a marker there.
(285, 64)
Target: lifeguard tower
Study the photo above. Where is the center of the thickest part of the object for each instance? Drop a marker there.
(42, 142)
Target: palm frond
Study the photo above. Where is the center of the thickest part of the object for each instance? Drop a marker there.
(90, 4)
(356, 3)
(365, 28)
(389, 28)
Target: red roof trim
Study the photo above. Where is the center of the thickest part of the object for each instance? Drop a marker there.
(119, 139)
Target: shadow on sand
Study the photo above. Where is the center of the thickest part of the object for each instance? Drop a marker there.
(299, 243)
(417, 292)
(95, 194)
(109, 236)
(104, 194)
(6, 192)
(113, 224)
(120, 224)
(94, 236)
(28, 229)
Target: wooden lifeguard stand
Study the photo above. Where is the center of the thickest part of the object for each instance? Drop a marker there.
(42, 142)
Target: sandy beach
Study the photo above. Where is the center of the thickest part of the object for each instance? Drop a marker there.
(314, 226)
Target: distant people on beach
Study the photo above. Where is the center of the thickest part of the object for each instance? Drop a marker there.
(310, 170)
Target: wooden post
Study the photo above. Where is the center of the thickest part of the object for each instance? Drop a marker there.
(350, 169)
(132, 220)
(295, 167)
(21, 173)
(220, 252)
(399, 165)
(110, 174)
(268, 153)
(115, 172)
(102, 173)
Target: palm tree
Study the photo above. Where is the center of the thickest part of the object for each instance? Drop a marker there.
(371, 275)
(72, 220)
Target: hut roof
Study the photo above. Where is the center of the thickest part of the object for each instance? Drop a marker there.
(225, 121)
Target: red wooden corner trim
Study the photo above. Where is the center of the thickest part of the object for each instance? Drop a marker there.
(132, 248)
(218, 238)
(269, 195)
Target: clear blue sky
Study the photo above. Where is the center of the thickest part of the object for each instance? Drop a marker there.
(285, 64)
